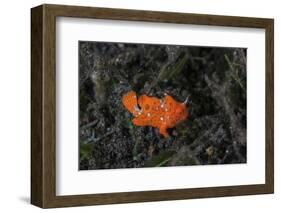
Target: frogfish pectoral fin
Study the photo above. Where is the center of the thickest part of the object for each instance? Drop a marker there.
(163, 131)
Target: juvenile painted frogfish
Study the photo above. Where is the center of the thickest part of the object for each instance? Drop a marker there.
(159, 113)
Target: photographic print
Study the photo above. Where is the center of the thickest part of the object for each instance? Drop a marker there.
(153, 98)
(159, 105)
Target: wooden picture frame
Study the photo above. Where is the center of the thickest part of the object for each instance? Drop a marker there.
(43, 105)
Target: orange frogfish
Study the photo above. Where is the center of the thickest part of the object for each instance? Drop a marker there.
(151, 111)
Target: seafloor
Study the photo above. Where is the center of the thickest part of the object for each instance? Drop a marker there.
(214, 78)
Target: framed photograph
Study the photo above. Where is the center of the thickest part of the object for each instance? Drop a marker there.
(137, 106)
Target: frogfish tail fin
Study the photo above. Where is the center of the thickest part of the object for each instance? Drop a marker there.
(130, 101)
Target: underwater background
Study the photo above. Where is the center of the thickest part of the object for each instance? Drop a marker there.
(214, 78)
